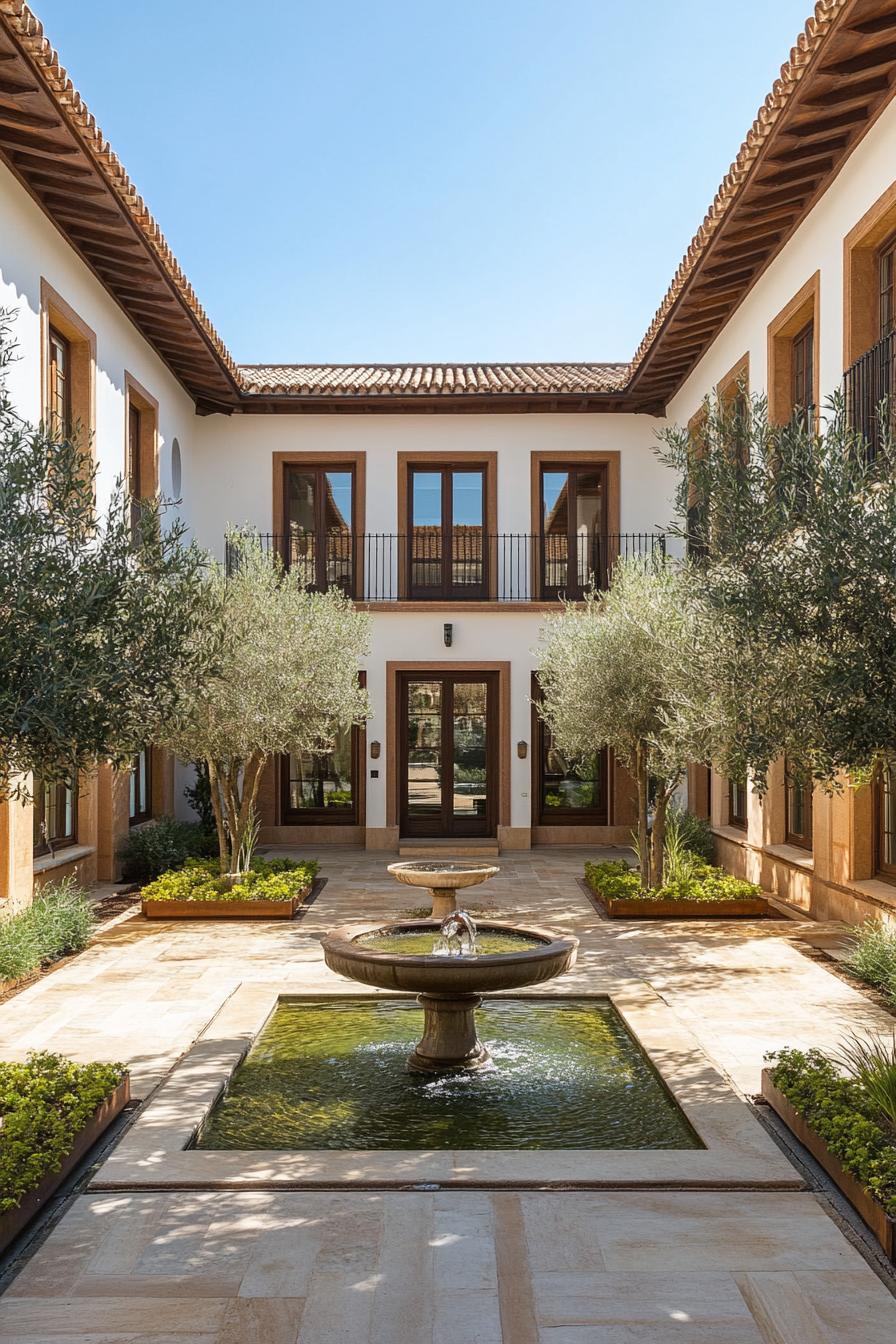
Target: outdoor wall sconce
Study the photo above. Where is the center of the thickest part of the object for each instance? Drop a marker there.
(374, 751)
(448, 633)
(522, 750)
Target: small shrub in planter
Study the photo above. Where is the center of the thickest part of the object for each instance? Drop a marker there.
(843, 1114)
(615, 880)
(266, 880)
(153, 849)
(44, 1105)
(59, 921)
(873, 956)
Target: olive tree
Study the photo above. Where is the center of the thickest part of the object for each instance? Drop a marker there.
(619, 671)
(795, 530)
(97, 624)
(287, 680)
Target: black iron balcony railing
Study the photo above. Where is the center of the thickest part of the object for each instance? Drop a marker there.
(463, 565)
(869, 387)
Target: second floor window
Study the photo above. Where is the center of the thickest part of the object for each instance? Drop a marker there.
(802, 391)
(319, 539)
(59, 390)
(887, 300)
(885, 823)
(447, 545)
(55, 816)
(798, 812)
(573, 530)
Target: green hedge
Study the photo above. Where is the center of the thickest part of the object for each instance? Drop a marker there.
(615, 880)
(839, 1112)
(161, 845)
(44, 1105)
(59, 921)
(267, 880)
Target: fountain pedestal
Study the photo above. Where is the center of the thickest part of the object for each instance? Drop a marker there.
(449, 1039)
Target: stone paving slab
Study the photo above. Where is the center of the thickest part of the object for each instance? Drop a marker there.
(464, 1267)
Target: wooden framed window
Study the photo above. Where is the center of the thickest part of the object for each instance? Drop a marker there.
(797, 811)
(55, 816)
(886, 273)
(59, 384)
(737, 803)
(802, 368)
(447, 542)
(321, 788)
(885, 823)
(573, 529)
(319, 504)
(565, 793)
(140, 799)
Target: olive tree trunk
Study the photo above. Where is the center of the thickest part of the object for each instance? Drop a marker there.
(642, 779)
(234, 790)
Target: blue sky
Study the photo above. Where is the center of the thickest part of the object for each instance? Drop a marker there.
(488, 180)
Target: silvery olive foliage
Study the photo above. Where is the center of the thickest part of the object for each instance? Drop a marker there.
(96, 631)
(286, 680)
(620, 670)
(795, 534)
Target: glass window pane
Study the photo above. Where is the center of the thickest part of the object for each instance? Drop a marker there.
(338, 502)
(322, 781)
(589, 517)
(569, 787)
(470, 750)
(426, 522)
(424, 765)
(427, 499)
(888, 819)
(555, 503)
(300, 500)
(468, 505)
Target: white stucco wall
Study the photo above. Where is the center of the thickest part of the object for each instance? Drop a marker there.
(31, 249)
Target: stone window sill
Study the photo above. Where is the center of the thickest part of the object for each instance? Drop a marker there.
(734, 834)
(70, 854)
(792, 854)
(873, 889)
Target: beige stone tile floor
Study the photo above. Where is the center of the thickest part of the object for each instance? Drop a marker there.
(494, 1267)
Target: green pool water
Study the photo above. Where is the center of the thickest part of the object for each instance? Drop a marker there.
(421, 944)
(331, 1074)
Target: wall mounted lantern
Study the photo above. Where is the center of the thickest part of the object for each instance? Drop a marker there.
(448, 633)
(374, 751)
(522, 750)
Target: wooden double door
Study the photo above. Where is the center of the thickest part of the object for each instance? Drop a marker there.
(448, 753)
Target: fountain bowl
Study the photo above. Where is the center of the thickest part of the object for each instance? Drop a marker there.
(443, 879)
(449, 988)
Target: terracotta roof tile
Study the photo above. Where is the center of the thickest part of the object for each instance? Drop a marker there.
(432, 380)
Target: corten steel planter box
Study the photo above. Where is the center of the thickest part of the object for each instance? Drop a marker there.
(224, 909)
(880, 1222)
(14, 1222)
(614, 907)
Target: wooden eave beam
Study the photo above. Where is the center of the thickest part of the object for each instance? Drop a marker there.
(845, 91)
(877, 56)
(11, 136)
(26, 163)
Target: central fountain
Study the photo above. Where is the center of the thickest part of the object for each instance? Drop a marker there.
(442, 879)
(449, 966)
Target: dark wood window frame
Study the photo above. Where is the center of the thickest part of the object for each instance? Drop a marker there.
(886, 287)
(797, 799)
(59, 383)
(319, 467)
(448, 531)
(884, 791)
(141, 809)
(48, 843)
(561, 816)
(327, 816)
(738, 803)
(802, 372)
(573, 590)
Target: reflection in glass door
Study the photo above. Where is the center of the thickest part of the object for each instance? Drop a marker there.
(448, 750)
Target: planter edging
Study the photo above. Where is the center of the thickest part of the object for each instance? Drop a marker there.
(873, 1214)
(16, 1220)
(614, 907)
(222, 909)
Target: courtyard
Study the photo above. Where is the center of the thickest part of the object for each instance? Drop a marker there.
(500, 1248)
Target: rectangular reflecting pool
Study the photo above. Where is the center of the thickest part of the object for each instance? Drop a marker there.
(331, 1074)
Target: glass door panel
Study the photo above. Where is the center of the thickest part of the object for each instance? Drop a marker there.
(448, 767)
(589, 524)
(555, 528)
(470, 749)
(423, 763)
(426, 531)
(467, 530)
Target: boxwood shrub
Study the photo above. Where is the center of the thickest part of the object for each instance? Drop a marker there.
(150, 850)
(44, 1105)
(266, 880)
(59, 921)
(615, 880)
(841, 1114)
